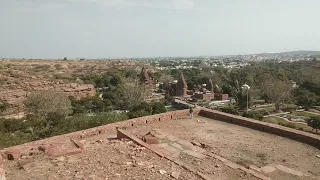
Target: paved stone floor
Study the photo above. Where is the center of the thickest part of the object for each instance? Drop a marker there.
(216, 149)
(271, 155)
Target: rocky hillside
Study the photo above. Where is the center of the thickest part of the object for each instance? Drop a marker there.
(18, 78)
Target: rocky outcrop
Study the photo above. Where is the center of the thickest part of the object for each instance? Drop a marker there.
(15, 94)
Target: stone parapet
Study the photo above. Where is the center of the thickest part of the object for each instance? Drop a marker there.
(301, 136)
(100, 130)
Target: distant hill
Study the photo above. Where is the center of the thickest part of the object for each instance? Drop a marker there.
(292, 53)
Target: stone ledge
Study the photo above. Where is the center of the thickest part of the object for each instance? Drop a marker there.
(102, 129)
(304, 137)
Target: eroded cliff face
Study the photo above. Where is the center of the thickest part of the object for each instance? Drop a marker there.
(15, 94)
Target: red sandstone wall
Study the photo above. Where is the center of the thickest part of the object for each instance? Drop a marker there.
(106, 128)
(308, 138)
(301, 136)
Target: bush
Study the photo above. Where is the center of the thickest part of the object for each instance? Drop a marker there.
(12, 125)
(168, 100)
(14, 132)
(230, 110)
(158, 108)
(253, 115)
(46, 102)
(314, 122)
(288, 124)
(139, 113)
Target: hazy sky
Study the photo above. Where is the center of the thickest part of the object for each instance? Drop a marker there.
(144, 28)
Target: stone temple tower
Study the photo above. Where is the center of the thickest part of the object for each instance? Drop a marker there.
(145, 78)
(181, 89)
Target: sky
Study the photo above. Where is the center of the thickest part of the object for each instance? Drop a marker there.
(153, 28)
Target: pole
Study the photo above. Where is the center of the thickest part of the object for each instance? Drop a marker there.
(247, 99)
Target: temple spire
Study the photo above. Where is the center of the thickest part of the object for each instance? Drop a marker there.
(181, 86)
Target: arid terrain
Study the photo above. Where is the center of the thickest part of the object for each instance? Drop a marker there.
(20, 77)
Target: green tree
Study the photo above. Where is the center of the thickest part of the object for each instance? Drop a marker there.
(314, 122)
(158, 107)
(277, 91)
(240, 95)
(305, 98)
(312, 87)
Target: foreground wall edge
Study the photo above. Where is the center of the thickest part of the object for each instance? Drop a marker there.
(304, 137)
(301, 136)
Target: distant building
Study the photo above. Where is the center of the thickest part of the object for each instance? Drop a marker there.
(221, 97)
(146, 79)
(206, 96)
(181, 86)
(178, 88)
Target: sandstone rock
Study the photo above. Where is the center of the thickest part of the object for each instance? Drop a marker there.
(99, 141)
(150, 166)
(268, 169)
(195, 143)
(78, 143)
(289, 170)
(149, 138)
(140, 163)
(175, 175)
(23, 162)
(61, 158)
(13, 154)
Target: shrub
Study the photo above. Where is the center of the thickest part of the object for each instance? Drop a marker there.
(158, 108)
(253, 114)
(314, 122)
(230, 110)
(46, 102)
(139, 113)
(12, 125)
(288, 124)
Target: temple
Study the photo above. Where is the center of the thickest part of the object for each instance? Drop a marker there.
(205, 92)
(146, 79)
(178, 88)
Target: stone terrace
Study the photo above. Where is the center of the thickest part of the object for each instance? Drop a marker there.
(180, 148)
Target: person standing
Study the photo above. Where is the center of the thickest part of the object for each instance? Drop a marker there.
(191, 112)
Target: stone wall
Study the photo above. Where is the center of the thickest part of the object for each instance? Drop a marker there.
(204, 96)
(301, 136)
(103, 129)
(304, 137)
(221, 97)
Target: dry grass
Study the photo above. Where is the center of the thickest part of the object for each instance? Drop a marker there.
(304, 113)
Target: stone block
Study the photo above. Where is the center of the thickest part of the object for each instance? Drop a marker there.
(195, 154)
(45, 148)
(68, 152)
(150, 139)
(23, 162)
(77, 143)
(13, 154)
(289, 170)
